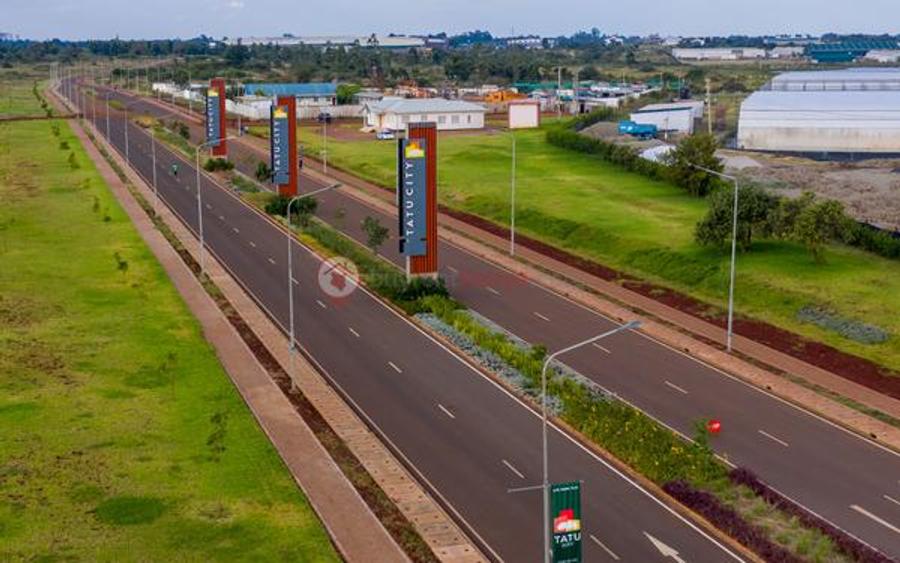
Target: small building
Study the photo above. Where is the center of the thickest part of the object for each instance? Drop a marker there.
(394, 114)
(524, 114)
(718, 54)
(884, 56)
(676, 117)
(786, 52)
(307, 94)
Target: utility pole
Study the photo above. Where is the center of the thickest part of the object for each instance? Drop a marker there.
(709, 107)
(559, 92)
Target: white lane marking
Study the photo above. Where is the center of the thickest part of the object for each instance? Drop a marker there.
(452, 269)
(356, 334)
(599, 347)
(221, 217)
(540, 316)
(773, 438)
(492, 290)
(675, 387)
(208, 206)
(513, 469)
(322, 305)
(271, 260)
(393, 365)
(606, 549)
(868, 514)
(235, 229)
(447, 412)
(295, 281)
(891, 499)
(253, 244)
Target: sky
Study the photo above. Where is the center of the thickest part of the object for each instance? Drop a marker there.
(152, 19)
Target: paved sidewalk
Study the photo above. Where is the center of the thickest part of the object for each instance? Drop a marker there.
(354, 529)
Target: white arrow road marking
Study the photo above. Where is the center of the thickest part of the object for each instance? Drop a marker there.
(664, 549)
(606, 549)
(773, 438)
(675, 387)
(447, 412)
(881, 521)
(513, 469)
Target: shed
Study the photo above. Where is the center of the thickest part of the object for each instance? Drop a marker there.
(524, 114)
(396, 113)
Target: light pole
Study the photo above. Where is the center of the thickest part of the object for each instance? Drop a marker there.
(730, 331)
(546, 480)
(325, 145)
(512, 200)
(153, 155)
(290, 270)
(107, 115)
(197, 150)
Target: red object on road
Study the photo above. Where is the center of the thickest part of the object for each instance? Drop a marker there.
(714, 426)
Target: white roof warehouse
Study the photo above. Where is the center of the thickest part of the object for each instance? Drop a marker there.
(396, 113)
(825, 112)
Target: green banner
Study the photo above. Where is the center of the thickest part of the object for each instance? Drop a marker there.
(565, 522)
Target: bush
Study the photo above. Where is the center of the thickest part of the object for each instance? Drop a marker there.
(621, 155)
(263, 174)
(216, 164)
(844, 542)
(729, 521)
(872, 239)
(693, 151)
(302, 210)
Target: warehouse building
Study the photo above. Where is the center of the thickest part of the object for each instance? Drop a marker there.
(854, 111)
(678, 117)
(718, 54)
(307, 94)
(394, 114)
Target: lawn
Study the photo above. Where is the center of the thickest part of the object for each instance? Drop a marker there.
(643, 227)
(16, 95)
(121, 437)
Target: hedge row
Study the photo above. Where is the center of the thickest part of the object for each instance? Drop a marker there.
(621, 155)
(844, 542)
(729, 521)
(874, 240)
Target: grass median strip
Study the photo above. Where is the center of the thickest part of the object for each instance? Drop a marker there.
(120, 434)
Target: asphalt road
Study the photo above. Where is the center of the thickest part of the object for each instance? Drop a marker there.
(464, 436)
(850, 481)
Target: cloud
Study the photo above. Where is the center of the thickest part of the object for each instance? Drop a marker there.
(235, 4)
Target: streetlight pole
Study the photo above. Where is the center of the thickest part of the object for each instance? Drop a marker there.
(512, 200)
(546, 479)
(729, 336)
(325, 146)
(199, 197)
(107, 115)
(290, 272)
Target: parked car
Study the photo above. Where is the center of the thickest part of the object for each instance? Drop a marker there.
(324, 117)
(385, 135)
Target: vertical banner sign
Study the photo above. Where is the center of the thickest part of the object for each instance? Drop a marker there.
(412, 191)
(213, 117)
(280, 145)
(565, 522)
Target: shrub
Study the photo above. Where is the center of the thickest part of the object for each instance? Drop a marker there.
(872, 239)
(848, 328)
(216, 164)
(64, 145)
(844, 542)
(302, 210)
(693, 151)
(729, 521)
(263, 174)
(73, 162)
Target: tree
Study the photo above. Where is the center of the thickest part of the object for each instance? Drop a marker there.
(303, 210)
(819, 223)
(346, 92)
(693, 151)
(754, 210)
(376, 233)
(263, 174)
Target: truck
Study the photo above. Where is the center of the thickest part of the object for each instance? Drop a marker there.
(639, 130)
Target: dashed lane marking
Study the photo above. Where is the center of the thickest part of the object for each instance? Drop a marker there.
(513, 469)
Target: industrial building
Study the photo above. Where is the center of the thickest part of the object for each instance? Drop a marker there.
(394, 114)
(855, 111)
(678, 117)
(307, 94)
(718, 54)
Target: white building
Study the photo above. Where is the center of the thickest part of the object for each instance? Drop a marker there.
(325, 41)
(524, 114)
(853, 111)
(786, 52)
(883, 56)
(676, 117)
(718, 54)
(396, 113)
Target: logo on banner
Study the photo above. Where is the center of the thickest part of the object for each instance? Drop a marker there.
(414, 149)
(280, 112)
(566, 522)
(338, 277)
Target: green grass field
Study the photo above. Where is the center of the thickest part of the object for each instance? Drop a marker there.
(121, 437)
(643, 227)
